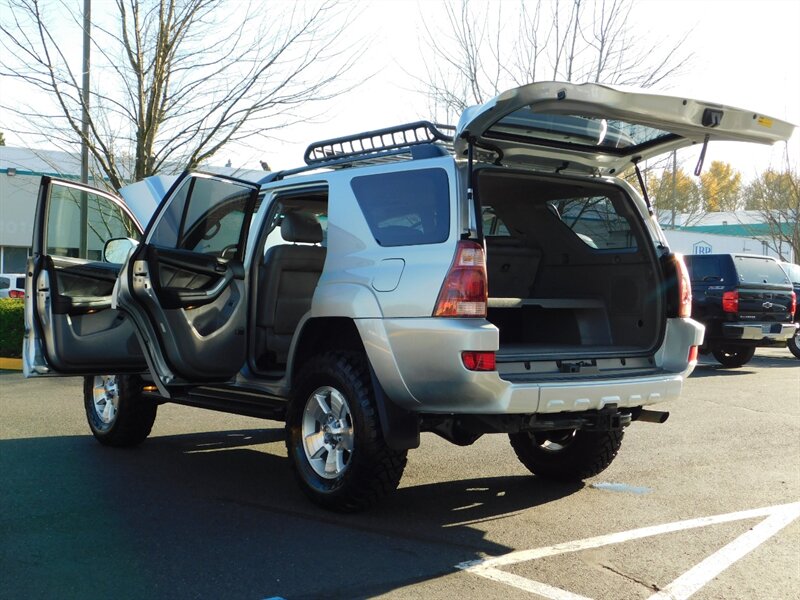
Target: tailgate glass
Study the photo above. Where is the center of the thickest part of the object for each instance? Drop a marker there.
(574, 131)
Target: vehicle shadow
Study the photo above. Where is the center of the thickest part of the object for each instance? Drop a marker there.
(218, 515)
(708, 367)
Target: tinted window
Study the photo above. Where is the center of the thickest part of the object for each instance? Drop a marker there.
(493, 226)
(596, 222)
(205, 215)
(165, 233)
(793, 271)
(752, 269)
(708, 269)
(406, 208)
(68, 208)
(530, 125)
(5, 282)
(14, 259)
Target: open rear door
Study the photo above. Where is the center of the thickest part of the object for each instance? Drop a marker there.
(70, 326)
(184, 286)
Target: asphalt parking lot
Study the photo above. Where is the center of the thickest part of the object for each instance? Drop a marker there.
(705, 506)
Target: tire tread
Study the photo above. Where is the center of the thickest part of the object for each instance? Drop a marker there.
(588, 455)
(381, 468)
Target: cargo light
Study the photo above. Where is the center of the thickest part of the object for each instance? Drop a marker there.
(730, 302)
(464, 291)
(479, 361)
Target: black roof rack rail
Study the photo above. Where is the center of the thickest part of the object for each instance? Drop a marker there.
(366, 145)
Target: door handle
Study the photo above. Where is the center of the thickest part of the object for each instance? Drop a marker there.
(206, 296)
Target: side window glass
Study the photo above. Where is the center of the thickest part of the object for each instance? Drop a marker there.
(206, 216)
(596, 222)
(317, 210)
(706, 269)
(69, 208)
(405, 208)
(165, 233)
(492, 225)
(14, 259)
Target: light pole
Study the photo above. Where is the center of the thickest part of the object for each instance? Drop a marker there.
(87, 19)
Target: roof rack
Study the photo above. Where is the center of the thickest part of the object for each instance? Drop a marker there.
(370, 144)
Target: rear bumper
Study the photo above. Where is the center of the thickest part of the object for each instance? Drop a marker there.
(766, 332)
(418, 363)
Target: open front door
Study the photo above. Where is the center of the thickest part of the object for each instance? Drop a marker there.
(185, 285)
(70, 326)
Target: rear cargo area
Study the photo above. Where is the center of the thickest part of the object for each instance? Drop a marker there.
(574, 284)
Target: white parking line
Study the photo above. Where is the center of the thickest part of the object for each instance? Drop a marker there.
(776, 518)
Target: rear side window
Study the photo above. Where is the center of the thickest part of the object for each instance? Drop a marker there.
(205, 215)
(706, 270)
(752, 269)
(793, 271)
(596, 222)
(407, 208)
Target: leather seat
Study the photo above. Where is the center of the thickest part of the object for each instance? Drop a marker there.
(287, 280)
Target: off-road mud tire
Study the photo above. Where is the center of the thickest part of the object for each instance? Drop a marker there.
(373, 470)
(579, 455)
(134, 415)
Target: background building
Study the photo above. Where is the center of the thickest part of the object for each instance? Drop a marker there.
(742, 231)
(20, 172)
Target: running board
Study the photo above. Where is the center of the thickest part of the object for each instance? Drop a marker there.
(233, 401)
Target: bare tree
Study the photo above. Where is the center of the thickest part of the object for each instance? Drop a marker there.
(776, 197)
(474, 53)
(173, 81)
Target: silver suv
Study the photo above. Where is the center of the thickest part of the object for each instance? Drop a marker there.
(495, 277)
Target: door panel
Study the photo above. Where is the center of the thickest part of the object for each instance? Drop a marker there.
(71, 327)
(185, 286)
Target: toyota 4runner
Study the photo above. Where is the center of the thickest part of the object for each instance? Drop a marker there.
(495, 277)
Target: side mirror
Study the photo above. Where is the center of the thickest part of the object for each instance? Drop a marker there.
(116, 249)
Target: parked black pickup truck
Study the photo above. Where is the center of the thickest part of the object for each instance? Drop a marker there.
(744, 301)
(793, 271)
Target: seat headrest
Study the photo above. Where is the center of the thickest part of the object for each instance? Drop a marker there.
(301, 227)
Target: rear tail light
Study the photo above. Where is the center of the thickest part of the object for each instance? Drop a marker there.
(684, 287)
(16, 294)
(730, 302)
(692, 354)
(479, 361)
(464, 290)
(793, 306)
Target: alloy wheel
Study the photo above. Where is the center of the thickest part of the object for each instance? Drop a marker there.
(327, 432)
(105, 400)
